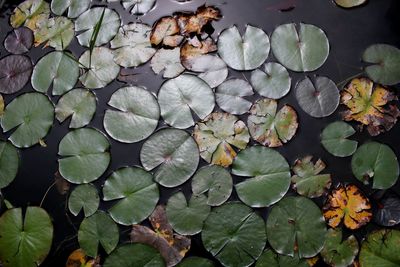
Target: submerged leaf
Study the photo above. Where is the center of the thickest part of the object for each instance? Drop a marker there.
(167, 61)
(74, 7)
(19, 41)
(9, 163)
(270, 259)
(334, 139)
(14, 73)
(388, 211)
(230, 96)
(134, 255)
(56, 32)
(84, 197)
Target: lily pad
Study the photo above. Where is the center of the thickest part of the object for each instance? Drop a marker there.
(196, 261)
(180, 96)
(334, 139)
(134, 255)
(57, 69)
(167, 61)
(172, 154)
(137, 7)
(30, 116)
(136, 116)
(271, 259)
(19, 41)
(134, 188)
(319, 98)
(273, 82)
(230, 96)
(79, 104)
(84, 155)
(79, 258)
(56, 32)
(74, 7)
(84, 197)
(388, 211)
(296, 226)
(349, 3)
(377, 161)
(9, 163)
(14, 73)
(269, 175)
(245, 52)
(164, 31)
(30, 12)
(302, 48)
(234, 234)
(25, 240)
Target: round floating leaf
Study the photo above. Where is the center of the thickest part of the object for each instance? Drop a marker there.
(388, 212)
(86, 25)
(137, 115)
(302, 49)
(296, 226)
(244, 53)
(79, 104)
(30, 12)
(84, 197)
(14, 73)
(19, 41)
(56, 32)
(386, 63)
(180, 96)
(319, 98)
(57, 69)
(134, 255)
(213, 69)
(173, 154)
(215, 182)
(31, 115)
(274, 82)
(75, 7)
(271, 128)
(84, 155)
(98, 229)
(9, 163)
(230, 96)
(25, 240)
(137, 7)
(135, 188)
(349, 3)
(381, 248)
(101, 68)
(196, 261)
(168, 61)
(234, 234)
(337, 252)
(187, 217)
(271, 259)
(377, 161)
(166, 29)
(334, 139)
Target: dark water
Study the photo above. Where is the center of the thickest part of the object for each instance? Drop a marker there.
(349, 32)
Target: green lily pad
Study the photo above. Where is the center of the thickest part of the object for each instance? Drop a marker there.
(215, 182)
(212, 69)
(79, 104)
(19, 41)
(269, 175)
(84, 197)
(30, 12)
(337, 252)
(273, 82)
(305, 48)
(386, 63)
(84, 155)
(21, 68)
(57, 69)
(134, 188)
(180, 96)
(230, 96)
(334, 139)
(25, 240)
(31, 115)
(271, 259)
(349, 3)
(296, 226)
(56, 32)
(243, 53)
(137, 7)
(172, 154)
(167, 61)
(196, 261)
(136, 116)
(134, 255)
(98, 229)
(9, 163)
(269, 127)
(377, 161)
(74, 7)
(234, 234)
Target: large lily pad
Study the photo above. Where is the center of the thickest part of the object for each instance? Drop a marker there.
(134, 255)
(172, 154)
(9, 163)
(85, 155)
(168, 61)
(334, 139)
(196, 261)
(136, 116)
(269, 176)
(296, 226)
(19, 41)
(14, 73)
(74, 7)
(84, 197)
(270, 259)
(30, 116)
(230, 96)
(56, 32)
(29, 13)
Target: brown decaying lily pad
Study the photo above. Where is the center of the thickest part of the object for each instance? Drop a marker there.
(15, 72)
(192, 50)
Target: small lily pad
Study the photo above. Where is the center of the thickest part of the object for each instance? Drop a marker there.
(167, 61)
(334, 139)
(19, 41)
(74, 7)
(230, 96)
(14, 73)
(349, 3)
(9, 163)
(84, 197)
(134, 255)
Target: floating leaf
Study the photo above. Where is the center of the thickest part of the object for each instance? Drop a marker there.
(15, 73)
(388, 211)
(307, 180)
(296, 226)
(165, 31)
(135, 188)
(349, 3)
(234, 234)
(30, 12)
(84, 155)
(180, 96)
(230, 96)
(84, 197)
(271, 259)
(137, 7)
(9, 163)
(78, 258)
(74, 7)
(1, 105)
(167, 61)
(98, 229)
(377, 161)
(196, 261)
(136, 116)
(215, 182)
(19, 41)
(269, 127)
(25, 240)
(57, 69)
(134, 255)
(349, 204)
(56, 32)
(172, 154)
(192, 53)
(318, 98)
(194, 23)
(30, 116)
(334, 139)
(305, 48)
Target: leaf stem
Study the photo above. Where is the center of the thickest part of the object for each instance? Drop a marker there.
(45, 194)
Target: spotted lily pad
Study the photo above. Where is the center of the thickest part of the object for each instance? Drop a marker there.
(334, 139)
(134, 255)
(74, 7)
(84, 197)
(56, 32)
(29, 13)
(270, 259)
(9, 163)
(19, 41)
(167, 61)
(14, 73)
(230, 96)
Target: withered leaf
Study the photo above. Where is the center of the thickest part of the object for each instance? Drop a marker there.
(165, 32)
(78, 258)
(192, 50)
(195, 22)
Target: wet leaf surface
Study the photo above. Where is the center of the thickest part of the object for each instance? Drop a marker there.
(84, 197)
(9, 163)
(190, 23)
(230, 96)
(334, 139)
(19, 41)
(15, 73)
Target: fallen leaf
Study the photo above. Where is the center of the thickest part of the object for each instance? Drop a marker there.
(78, 258)
(195, 22)
(165, 31)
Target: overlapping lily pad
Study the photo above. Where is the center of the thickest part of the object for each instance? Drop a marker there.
(137, 7)
(9, 163)
(29, 13)
(230, 96)
(84, 197)
(167, 61)
(74, 7)
(14, 73)
(334, 139)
